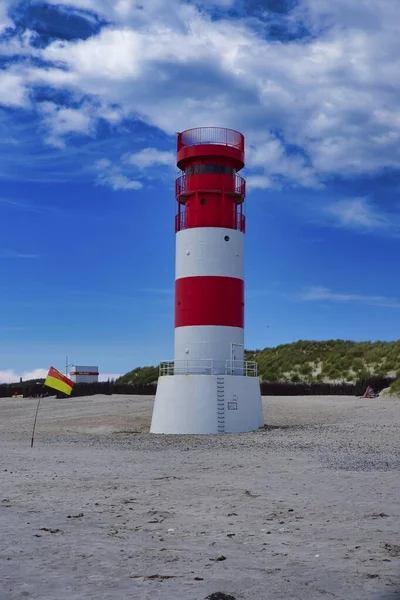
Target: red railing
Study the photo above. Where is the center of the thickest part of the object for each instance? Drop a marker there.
(211, 135)
(181, 221)
(241, 222)
(239, 189)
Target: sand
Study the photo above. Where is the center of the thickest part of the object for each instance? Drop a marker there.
(100, 510)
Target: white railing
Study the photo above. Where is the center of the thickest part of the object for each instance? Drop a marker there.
(247, 368)
(186, 367)
(211, 135)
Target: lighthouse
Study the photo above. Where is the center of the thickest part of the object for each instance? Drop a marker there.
(209, 387)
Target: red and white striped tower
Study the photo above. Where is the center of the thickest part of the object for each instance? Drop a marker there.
(209, 387)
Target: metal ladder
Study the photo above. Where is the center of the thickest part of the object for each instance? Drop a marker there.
(221, 403)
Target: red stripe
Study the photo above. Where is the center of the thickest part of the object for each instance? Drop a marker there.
(57, 375)
(209, 301)
(84, 373)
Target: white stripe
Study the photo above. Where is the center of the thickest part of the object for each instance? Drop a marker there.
(189, 404)
(209, 251)
(209, 342)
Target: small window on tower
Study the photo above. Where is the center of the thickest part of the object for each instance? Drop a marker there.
(203, 201)
(227, 238)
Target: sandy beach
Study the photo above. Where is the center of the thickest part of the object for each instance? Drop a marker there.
(99, 509)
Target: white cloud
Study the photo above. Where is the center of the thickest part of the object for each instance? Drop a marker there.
(149, 157)
(333, 98)
(113, 55)
(61, 121)
(319, 293)
(258, 182)
(130, 12)
(272, 157)
(11, 376)
(6, 253)
(109, 376)
(5, 21)
(12, 90)
(17, 46)
(119, 175)
(112, 176)
(358, 213)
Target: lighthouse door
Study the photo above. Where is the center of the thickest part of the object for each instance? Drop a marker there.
(237, 356)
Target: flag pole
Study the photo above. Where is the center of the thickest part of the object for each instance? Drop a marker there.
(34, 423)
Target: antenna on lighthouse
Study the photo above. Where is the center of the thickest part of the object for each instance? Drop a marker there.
(209, 387)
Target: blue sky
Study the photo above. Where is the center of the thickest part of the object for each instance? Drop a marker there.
(91, 95)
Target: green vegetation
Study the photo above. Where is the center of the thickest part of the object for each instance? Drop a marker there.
(395, 388)
(307, 361)
(141, 375)
(330, 361)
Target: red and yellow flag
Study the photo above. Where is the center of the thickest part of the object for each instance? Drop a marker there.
(58, 381)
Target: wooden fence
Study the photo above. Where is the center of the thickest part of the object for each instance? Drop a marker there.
(33, 389)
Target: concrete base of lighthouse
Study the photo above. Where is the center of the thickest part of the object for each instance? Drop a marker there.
(201, 404)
